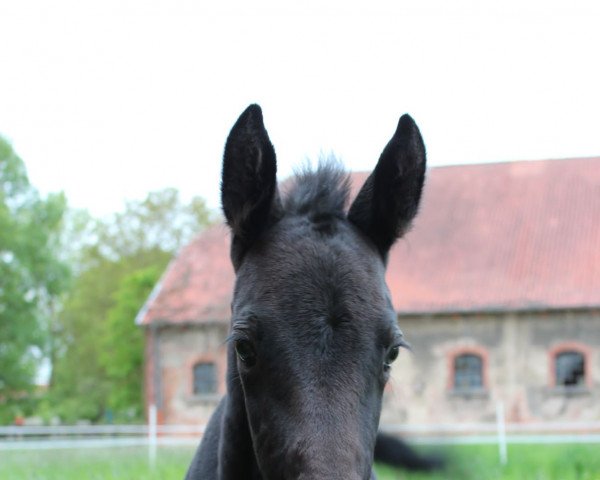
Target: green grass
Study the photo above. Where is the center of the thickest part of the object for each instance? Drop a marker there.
(525, 462)
(126, 463)
(480, 462)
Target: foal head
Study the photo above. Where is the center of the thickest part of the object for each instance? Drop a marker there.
(313, 330)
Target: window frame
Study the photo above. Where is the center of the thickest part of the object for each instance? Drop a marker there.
(570, 347)
(474, 350)
(215, 372)
(217, 358)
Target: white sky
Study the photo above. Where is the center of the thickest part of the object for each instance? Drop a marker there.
(107, 100)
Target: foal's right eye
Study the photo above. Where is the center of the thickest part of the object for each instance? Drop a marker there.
(392, 354)
(245, 352)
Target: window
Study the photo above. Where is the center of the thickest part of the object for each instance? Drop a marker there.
(468, 372)
(569, 369)
(205, 378)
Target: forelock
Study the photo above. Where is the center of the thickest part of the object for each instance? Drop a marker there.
(320, 192)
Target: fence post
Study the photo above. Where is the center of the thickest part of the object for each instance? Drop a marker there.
(152, 440)
(501, 427)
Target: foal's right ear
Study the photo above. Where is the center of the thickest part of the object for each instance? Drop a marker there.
(249, 181)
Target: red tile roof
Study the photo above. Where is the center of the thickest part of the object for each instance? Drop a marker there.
(505, 236)
(197, 284)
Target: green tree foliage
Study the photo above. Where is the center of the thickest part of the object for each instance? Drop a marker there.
(122, 353)
(99, 349)
(161, 222)
(31, 278)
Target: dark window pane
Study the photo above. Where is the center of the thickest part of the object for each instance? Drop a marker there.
(570, 369)
(468, 372)
(205, 378)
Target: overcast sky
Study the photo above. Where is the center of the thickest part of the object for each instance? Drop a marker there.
(108, 100)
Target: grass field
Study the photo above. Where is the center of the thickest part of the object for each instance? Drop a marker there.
(526, 462)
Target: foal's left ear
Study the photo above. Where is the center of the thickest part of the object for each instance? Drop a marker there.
(249, 181)
(389, 199)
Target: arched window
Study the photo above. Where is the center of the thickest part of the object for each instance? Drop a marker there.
(468, 372)
(569, 368)
(205, 378)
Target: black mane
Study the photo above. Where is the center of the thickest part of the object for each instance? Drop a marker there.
(319, 193)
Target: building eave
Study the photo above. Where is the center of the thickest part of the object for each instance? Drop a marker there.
(163, 323)
(494, 310)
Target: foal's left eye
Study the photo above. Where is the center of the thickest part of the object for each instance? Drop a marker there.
(245, 352)
(392, 354)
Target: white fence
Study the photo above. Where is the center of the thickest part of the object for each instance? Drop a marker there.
(154, 435)
(513, 429)
(97, 436)
(94, 436)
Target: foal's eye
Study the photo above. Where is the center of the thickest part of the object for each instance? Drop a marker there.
(245, 352)
(392, 354)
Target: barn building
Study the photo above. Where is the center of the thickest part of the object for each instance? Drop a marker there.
(497, 288)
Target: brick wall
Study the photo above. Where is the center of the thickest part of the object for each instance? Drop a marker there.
(516, 350)
(179, 348)
(518, 360)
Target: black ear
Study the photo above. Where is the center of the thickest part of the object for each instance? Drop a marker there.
(249, 181)
(389, 199)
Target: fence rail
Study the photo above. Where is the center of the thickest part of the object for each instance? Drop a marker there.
(154, 435)
(98, 430)
(102, 435)
(492, 428)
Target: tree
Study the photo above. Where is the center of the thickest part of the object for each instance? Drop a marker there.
(159, 222)
(99, 349)
(122, 353)
(31, 278)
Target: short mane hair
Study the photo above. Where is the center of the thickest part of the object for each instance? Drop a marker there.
(323, 192)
